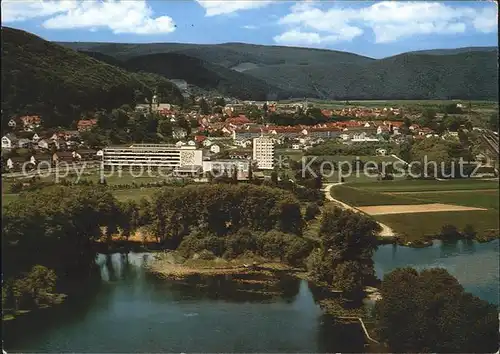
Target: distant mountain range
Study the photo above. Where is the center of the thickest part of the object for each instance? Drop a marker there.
(64, 80)
(284, 72)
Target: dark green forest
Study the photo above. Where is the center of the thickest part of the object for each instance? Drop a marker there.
(465, 73)
(61, 85)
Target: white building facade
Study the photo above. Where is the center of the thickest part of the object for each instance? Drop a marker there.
(152, 155)
(263, 152)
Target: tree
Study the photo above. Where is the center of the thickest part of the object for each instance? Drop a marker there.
(469, 231)
(165, 128)
(430, 312)
(348, 241)
(204, 108)
(449, 232)
(220, 101)
(312, 210)
(274, 177)
(493, 122)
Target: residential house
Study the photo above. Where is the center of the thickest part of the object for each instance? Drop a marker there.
(362, 137)
(179, 133)
(215, 148)
(240, 155)
(180, 143)
(200, 139)
(243, 143)
(9, 141)
(191, 143)
(244, 134)
(30, 122)
(12, 123)
(238, 121)
(86, 124)
(43, 144)
(24, 143)
(296, 146)
(207, 142)
(35, 138)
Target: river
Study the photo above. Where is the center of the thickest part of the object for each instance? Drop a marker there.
(475, 265)
(131, 310)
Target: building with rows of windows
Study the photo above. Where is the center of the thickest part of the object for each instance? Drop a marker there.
(152, 155)
(263, 152)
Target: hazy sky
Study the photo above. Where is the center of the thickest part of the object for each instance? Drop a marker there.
(375, 29)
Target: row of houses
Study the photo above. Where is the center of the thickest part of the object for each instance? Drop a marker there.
(31, 123)
(60, 140)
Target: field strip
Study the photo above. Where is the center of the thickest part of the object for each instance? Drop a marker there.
(446, 191)
(417, 208)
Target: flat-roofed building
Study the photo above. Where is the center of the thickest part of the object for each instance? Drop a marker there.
(152, 155)
(263, 152)
(218, 167)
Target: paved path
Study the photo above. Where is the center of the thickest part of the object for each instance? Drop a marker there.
(386, 230)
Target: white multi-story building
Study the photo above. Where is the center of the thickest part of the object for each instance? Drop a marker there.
(263, 152)
(154, 155)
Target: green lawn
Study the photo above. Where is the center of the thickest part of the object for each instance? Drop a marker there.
(361, 197)
(418, 226)
(135, 194)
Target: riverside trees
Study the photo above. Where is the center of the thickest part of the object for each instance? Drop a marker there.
(430, 312)
(344, 259)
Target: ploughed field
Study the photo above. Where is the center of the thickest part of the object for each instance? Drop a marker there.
(418, 209)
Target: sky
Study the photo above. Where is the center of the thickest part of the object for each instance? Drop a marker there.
(374, 29)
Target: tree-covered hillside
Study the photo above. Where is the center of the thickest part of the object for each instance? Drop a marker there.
(467, 73)
(470, 75)
(207, 76)
(61, 85)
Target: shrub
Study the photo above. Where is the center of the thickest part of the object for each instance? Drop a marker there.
(206, 255)
(469, 231)
(449, 232)
(312, 210)
(16, 187)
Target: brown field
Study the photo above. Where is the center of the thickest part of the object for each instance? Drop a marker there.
(416, 208)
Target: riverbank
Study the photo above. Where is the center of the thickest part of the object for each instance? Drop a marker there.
(170, 265)
(11, 314)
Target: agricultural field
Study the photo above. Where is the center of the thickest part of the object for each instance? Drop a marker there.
(420, 226)
(358, 197)
(427, 185)
(427, 205)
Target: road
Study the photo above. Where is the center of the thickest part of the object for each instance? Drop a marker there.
(386, 230)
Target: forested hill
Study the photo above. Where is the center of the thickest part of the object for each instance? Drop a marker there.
(467, 73)
(61, 85)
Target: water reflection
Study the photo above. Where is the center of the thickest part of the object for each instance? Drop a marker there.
(133, 311)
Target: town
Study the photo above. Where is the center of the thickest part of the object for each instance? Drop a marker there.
(327, 187)
(219, 134)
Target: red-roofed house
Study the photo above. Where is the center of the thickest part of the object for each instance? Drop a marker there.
(199, 138)
(86, 124)
(30, 122)
(240, 120)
